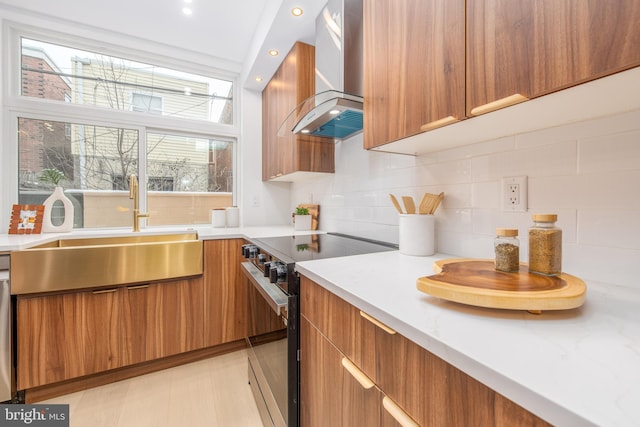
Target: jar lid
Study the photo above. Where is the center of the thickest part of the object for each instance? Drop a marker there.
(507, 232)
(545, 217)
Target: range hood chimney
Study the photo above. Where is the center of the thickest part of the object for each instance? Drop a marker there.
(336, 110)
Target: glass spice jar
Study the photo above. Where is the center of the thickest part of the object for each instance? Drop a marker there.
(545, 245)
(507, 249)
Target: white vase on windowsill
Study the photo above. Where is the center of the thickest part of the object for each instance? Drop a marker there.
(67, 224)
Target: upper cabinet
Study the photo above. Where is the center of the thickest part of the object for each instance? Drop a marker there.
(283, 153)
(430, 63)
(413, 67)
(533, 48)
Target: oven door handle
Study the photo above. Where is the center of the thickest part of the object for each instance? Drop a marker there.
(276, 299)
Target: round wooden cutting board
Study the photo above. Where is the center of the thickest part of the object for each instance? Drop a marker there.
(477, 282)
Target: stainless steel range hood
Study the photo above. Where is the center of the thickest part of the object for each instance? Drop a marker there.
(335, 112)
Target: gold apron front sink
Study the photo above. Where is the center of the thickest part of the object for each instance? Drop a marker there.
(105, 261)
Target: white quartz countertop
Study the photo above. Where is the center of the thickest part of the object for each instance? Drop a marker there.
(575, 367)
(10, 243)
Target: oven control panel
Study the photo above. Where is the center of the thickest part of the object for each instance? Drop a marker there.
(270, 266)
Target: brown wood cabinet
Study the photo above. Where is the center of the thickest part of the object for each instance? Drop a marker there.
(428, 389)
(66, 336)
(70, 335)
(428, 60)
(225, 292)
(414, 66)
(536, 47)
(162, 319)
(330, 395)
(293, 82)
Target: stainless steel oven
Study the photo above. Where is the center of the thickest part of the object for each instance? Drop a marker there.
(273, 338)
(274, 295)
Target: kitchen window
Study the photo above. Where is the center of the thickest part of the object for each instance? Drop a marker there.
(187, 176)
(97, 119)
(61, 73)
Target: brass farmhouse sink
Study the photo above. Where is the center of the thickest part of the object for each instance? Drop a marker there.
(67, 264)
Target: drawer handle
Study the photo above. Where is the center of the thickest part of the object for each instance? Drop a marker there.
(397, 413)
(133, 288)
(378, 323)
(104, 291)
(356, 373)
(498, 104)
(438, 123)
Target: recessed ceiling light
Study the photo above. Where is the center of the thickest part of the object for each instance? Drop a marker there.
(258, 79)
(273, 52)
(305, 131)
(296, 11)
(186, 11)
(334, 112)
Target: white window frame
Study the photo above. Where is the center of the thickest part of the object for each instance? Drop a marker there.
(15, 105)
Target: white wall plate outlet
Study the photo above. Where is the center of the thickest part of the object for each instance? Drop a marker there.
(514, 194)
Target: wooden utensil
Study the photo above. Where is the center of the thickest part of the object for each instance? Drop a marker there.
(426, 203)
(396, 203)
(409, 205)
(437, 202)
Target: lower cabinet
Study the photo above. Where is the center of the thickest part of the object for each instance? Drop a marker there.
(331, 395)
(162, 319)
(66, 336)
(225, 292)
(416, 386)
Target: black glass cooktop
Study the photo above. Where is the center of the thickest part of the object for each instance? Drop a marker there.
(291, 249)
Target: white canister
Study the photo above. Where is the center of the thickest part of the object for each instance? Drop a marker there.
(417, 235)
(218, 217)
(233, 216)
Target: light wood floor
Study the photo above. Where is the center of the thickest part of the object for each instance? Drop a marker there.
(212, 392)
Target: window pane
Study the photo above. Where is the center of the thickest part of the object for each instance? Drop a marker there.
(71, 75)
(93, 160)
(187, 177)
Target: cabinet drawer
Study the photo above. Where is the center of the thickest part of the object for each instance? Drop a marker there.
(428, 389)
(333, 392)
(336, 319)
(431, 390)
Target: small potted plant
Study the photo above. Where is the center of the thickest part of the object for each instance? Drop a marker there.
(301, 219)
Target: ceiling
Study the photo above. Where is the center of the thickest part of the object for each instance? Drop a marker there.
(239, 33)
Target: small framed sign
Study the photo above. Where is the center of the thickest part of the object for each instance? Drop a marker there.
(26, 219)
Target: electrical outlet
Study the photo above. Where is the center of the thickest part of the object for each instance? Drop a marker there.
(255, 201)
(514, 194)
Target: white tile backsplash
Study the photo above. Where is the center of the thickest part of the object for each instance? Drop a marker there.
(612, 228)
(588, 173)
(613, 153)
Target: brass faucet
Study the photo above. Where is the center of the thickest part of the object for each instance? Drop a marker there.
(133, 194)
